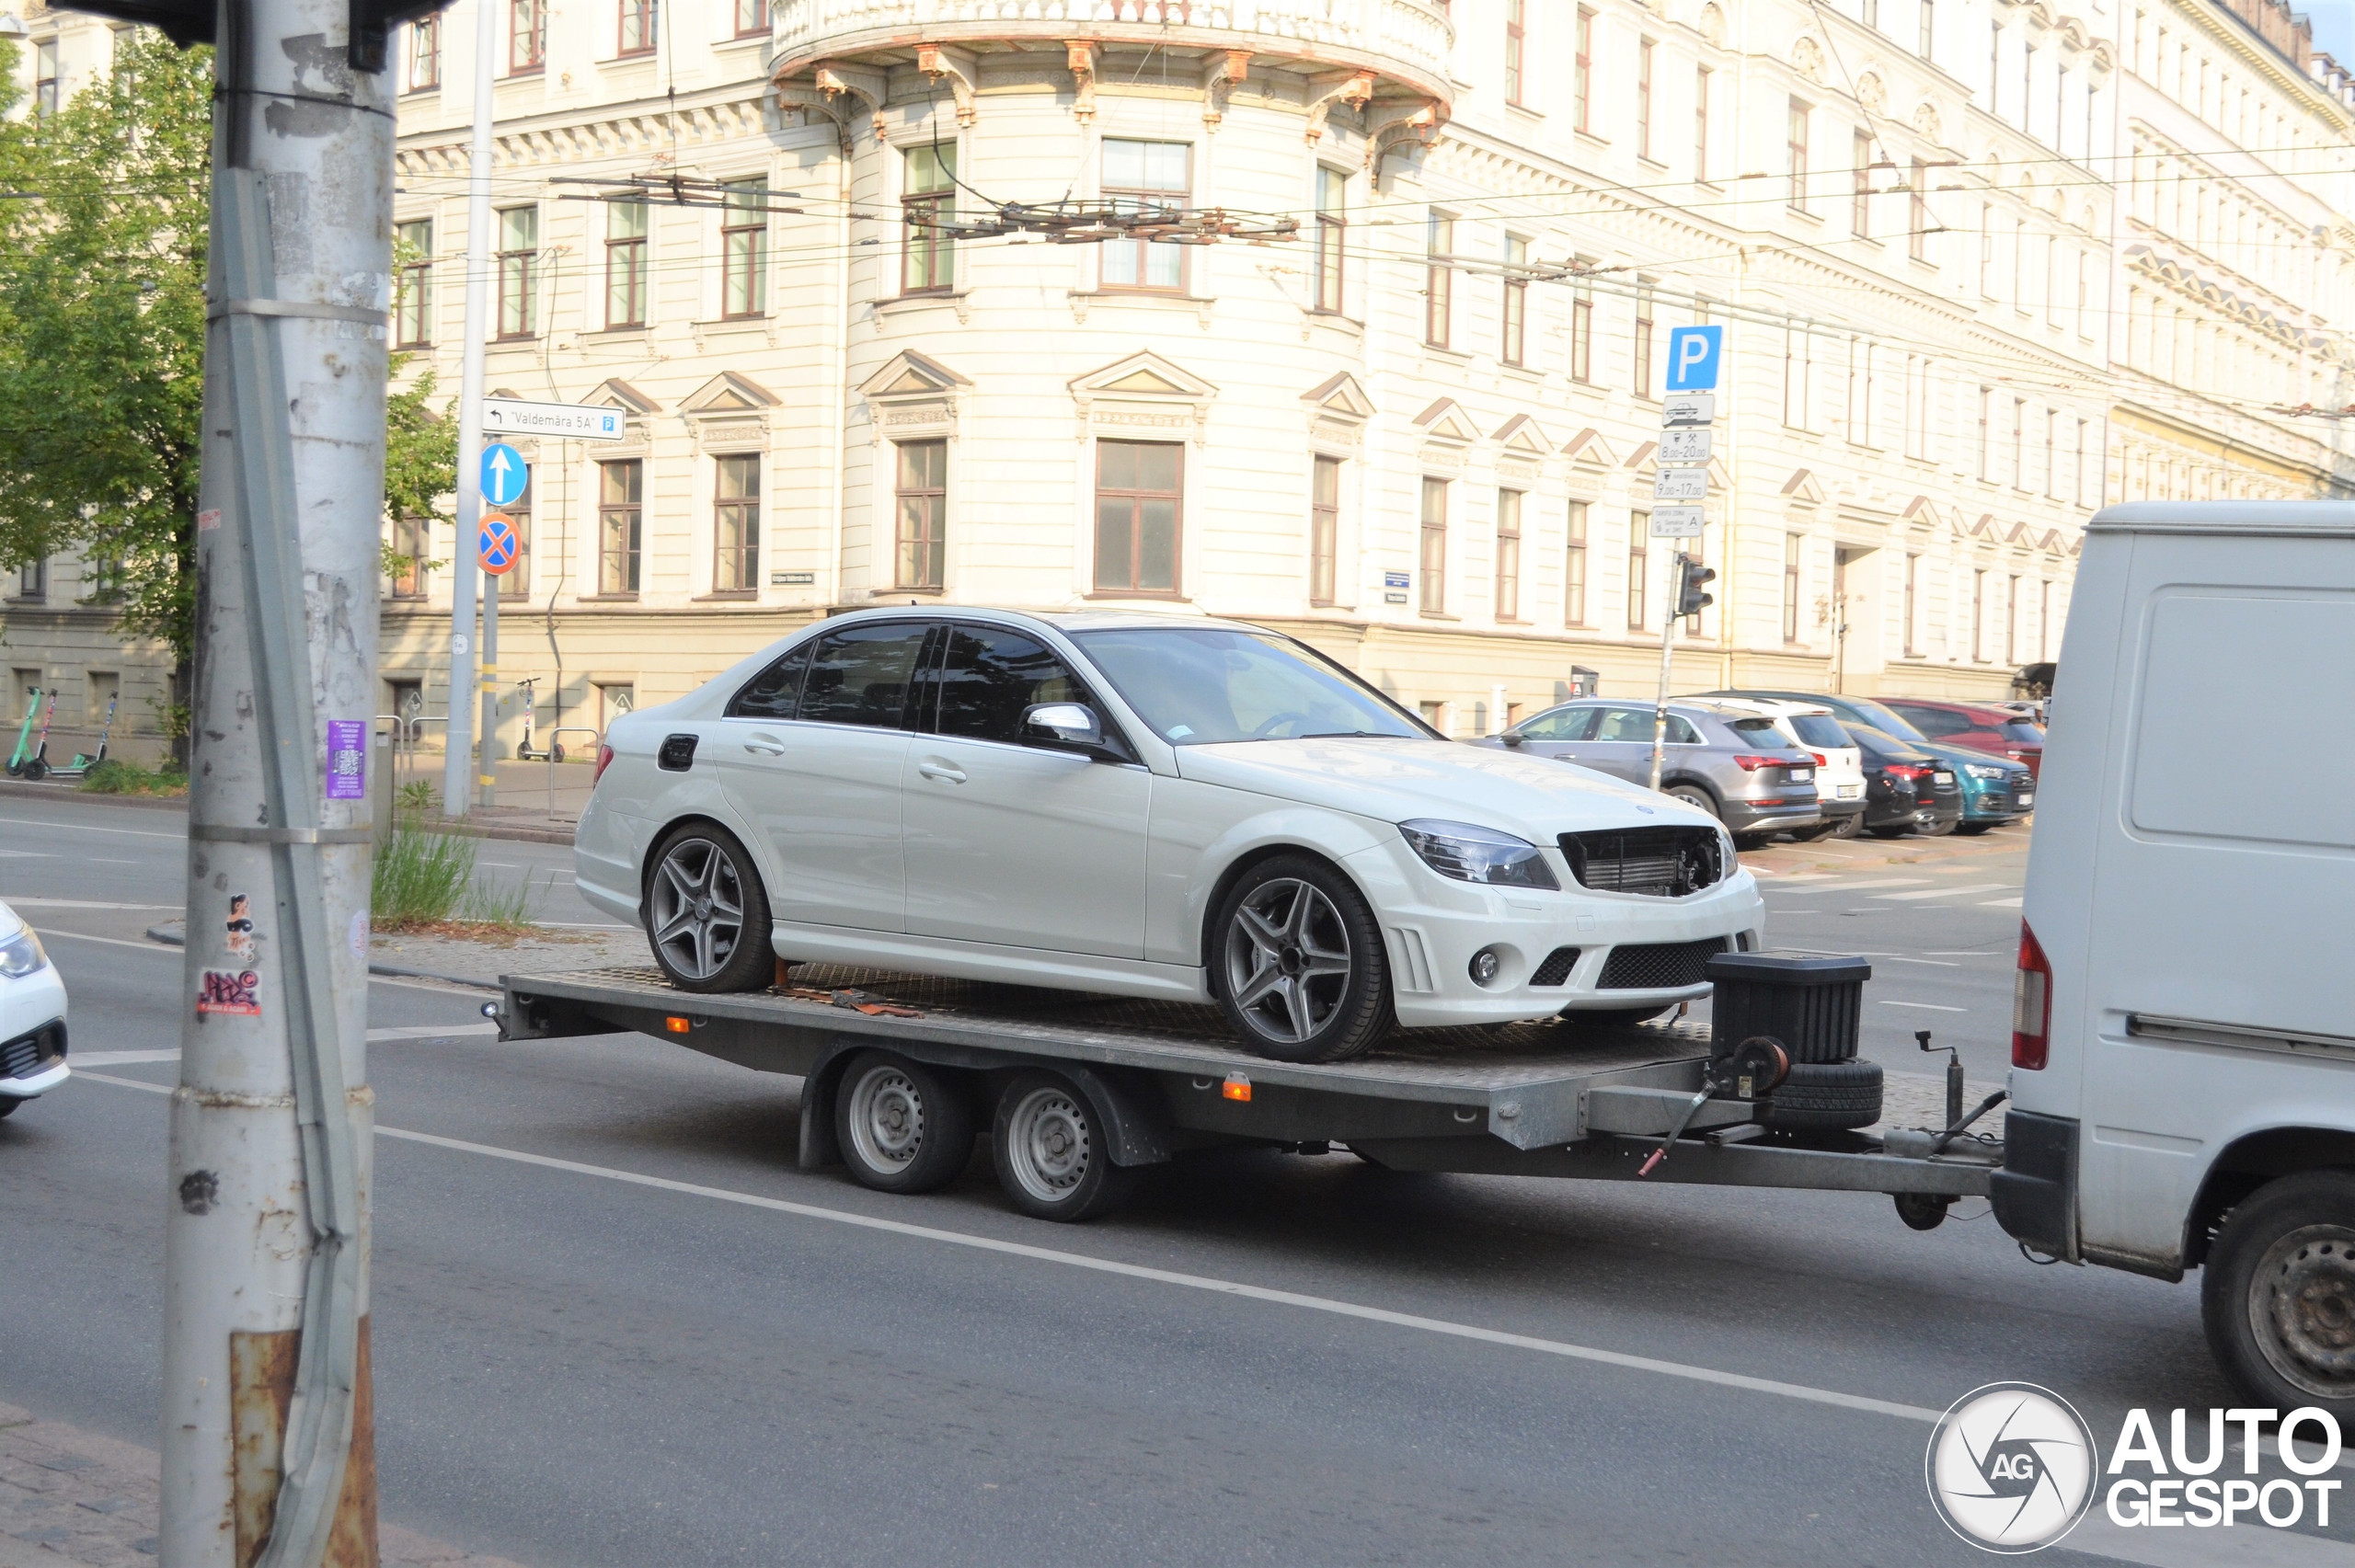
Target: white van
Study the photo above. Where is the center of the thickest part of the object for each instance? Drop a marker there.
(2183, 1060)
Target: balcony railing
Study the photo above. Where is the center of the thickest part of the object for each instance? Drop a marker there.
(1409, 33)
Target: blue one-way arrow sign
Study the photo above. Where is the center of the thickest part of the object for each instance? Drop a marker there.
(504, 475)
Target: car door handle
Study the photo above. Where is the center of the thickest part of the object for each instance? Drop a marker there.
(765, 747)
(941, 771)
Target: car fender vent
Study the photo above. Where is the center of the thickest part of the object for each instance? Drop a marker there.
(1414, 960)
(1556, 970)
(678, 753)
(1660, 862)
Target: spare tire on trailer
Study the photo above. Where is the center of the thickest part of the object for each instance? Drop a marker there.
(1826, 1096)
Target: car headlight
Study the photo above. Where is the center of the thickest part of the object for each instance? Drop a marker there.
(1467, 853)
(1981, 771)
(22, 955)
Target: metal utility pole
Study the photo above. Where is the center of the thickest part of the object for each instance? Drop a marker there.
(1667, 643)
(458, 780)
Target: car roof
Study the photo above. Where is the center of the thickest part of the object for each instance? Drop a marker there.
(1774, 707)
(1065, 621)
(1946, 704)
(1675, 705)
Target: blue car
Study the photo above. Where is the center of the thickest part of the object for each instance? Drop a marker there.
(1995, 790)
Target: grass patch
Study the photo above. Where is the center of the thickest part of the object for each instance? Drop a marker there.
(114, 777)
(425, 883)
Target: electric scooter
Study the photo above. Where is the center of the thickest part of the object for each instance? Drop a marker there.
(24, 733)
(37, 765)
(84, 761)
(523, 750)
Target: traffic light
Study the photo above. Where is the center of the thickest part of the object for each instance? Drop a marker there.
(1689, 577)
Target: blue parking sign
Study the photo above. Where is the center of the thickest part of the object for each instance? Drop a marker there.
(1693, 354)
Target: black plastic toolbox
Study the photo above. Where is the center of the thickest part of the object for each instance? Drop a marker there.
(1812, 1005)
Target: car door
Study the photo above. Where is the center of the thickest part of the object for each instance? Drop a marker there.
(1622, 745)
(811, 753)
(1556, 734)
(1011, 841)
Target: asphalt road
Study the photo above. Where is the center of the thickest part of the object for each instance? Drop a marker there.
(615, 1325)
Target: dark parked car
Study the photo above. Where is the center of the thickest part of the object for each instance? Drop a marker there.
(2004, 733)
(1906, 789)
(1995, 790)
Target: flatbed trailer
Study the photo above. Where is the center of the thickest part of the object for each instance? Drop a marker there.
(1135, 1083)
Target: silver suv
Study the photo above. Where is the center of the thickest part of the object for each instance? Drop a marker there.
(1732, 764)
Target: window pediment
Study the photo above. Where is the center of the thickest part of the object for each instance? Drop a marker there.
(1142, 396)
(913, 396)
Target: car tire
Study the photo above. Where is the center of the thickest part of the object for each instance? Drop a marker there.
(1745, 842)
(1808, 835)
(902, 1127)
(1826, 1097)
(8, 1107)
(1940, 829)
(1849, 827)
(1053, 1158)
(1897, 832)
(704, 891)
(1298, 964)
(2282, 1266)
(1696, 798)
(1972, 829)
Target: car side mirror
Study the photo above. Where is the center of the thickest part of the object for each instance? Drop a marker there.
(1513, 738)
(1066, 724)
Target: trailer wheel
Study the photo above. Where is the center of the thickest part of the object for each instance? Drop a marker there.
(1826, 1096)
(902, 1126)
(1053, 1157)
(2279, 1294)
(1298, 963)
(1922, 1211)
(707, 913)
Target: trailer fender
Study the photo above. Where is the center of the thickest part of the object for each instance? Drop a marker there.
(1129, 1110)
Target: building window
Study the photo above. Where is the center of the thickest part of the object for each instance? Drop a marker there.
(1574, 570)
(921, 491)
(625, 264)
(527, 36)
(2052, 454)
(1644, 50)
(752, 16)
(1925, 36)
(1798, 377)
(2019, 443)
(2044, 619)
(1640, 553)
(1582, 74)
(103, 575)
(621, 494)
(1332, 236)
(1978, 616)
(1643, 346)
(1439, 243)
(45, 99)
(736, 524)
(519, 271)
(744, 248)
(1869, 11)
(1434, 547)
(516, 586)
(1995, 68)
(1514, 38)
(1582, 329)
(2084, 472)
(412, 538)
(1860, 205)
(1795, 143)
(1986, 417)
(928, 259)
(1791, 587)
(1137, 507)
(1917, 212)
(32, 579)
(2012, 621)
(1146, 177)
(1324, 528)
(413, 298)
(424, 54)
(1908, 628)
(1701, 124)
(636, 28)
(1515, 320)
(1508, 555)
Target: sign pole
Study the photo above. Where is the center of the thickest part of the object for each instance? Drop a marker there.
(458, 759)
(1667, 642)
(489, 666)
(1685, 440)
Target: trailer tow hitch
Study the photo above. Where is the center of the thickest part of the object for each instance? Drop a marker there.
(1754, 1068)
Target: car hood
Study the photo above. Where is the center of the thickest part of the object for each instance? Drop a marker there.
(1396, 780)
(1955, 756)
(9, 922)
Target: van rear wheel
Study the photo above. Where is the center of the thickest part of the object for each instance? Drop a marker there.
(2278, 1295)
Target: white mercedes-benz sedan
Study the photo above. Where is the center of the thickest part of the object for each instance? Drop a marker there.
(1147, 805)
(32, 1016)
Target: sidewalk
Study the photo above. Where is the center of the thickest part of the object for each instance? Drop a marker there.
(68, 1496)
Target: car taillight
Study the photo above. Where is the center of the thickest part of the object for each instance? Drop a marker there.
(1752, 764)
(1821, 760)
(604, 760)
(2031, 1005)
(1905, 770)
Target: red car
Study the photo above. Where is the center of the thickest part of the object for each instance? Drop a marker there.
(1999, 731)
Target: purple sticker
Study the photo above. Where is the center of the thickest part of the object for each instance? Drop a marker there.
(347, 758)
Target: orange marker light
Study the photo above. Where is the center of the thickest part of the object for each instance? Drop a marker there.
(676, 1024)
(1236, 1087)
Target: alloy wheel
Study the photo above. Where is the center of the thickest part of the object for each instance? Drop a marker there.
(1288, 960)
(699, 908)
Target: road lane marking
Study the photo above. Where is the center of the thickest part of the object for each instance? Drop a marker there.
(445, 1032)
(1326, 1304)
(1941, 963)
(1944, 892)
(87, 828)
(85, 904)
(110, 941)
(2000, 904)
(1926, 1006)
(1852, 884)
(80, 1060)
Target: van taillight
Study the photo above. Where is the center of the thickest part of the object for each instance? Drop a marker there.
(604, 760)
(2031, 1005)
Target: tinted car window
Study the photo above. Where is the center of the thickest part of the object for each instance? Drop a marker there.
(774, 691)
(860, 674)
(1885, 719)
(1754, 731)
(1820, 730)
(1880, 748)
(1682, 733)
(1626, 725)
(2020, 729)
(1937, 723)
(1562, 723)
(1201, 686)
(992, 676)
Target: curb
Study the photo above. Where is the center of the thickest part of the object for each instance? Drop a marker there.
(512, 832)
(174, 939)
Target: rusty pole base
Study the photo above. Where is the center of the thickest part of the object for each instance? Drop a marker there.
(261, 1387)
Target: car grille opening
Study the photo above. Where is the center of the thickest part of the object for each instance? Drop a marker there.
(1556, 970)
(1656, 965)
(1664, 862)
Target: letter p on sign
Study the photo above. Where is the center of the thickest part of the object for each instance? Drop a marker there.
(1693, 354)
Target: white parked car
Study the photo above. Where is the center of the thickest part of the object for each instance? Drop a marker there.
(32, 1016)
(1839, 765)
(1147, 805)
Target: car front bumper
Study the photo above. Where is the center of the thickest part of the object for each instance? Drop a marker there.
(43, 1067)
(1434, 928)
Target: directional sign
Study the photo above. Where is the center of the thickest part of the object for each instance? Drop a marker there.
(1681, 484)
(1693, 354)
(498, 544)
(1676, 522)
(504, 475)
(1685, 446)
(566, 421)
(1692, 408)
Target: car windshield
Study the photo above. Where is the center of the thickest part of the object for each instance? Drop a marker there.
(1884, 718)
(1880, 746)
(1820, 730)
(1202, 685)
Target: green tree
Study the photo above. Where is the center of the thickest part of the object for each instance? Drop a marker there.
(420, 457)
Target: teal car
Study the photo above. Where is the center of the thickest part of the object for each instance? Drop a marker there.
(1995, 790)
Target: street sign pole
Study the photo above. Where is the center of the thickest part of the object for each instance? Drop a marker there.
(457, 762)
(1686, 414)
(1666, 647)
(502, 478)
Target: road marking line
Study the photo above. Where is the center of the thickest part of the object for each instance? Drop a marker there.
(1941, 963)
(1943, 892)
(87, 828)
(79, 1060)
(446, 1032)
(85, 904)
(1159, 1276)
(2000, 903)
(1850, 885)
(110, 941)
(1926, 1006)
